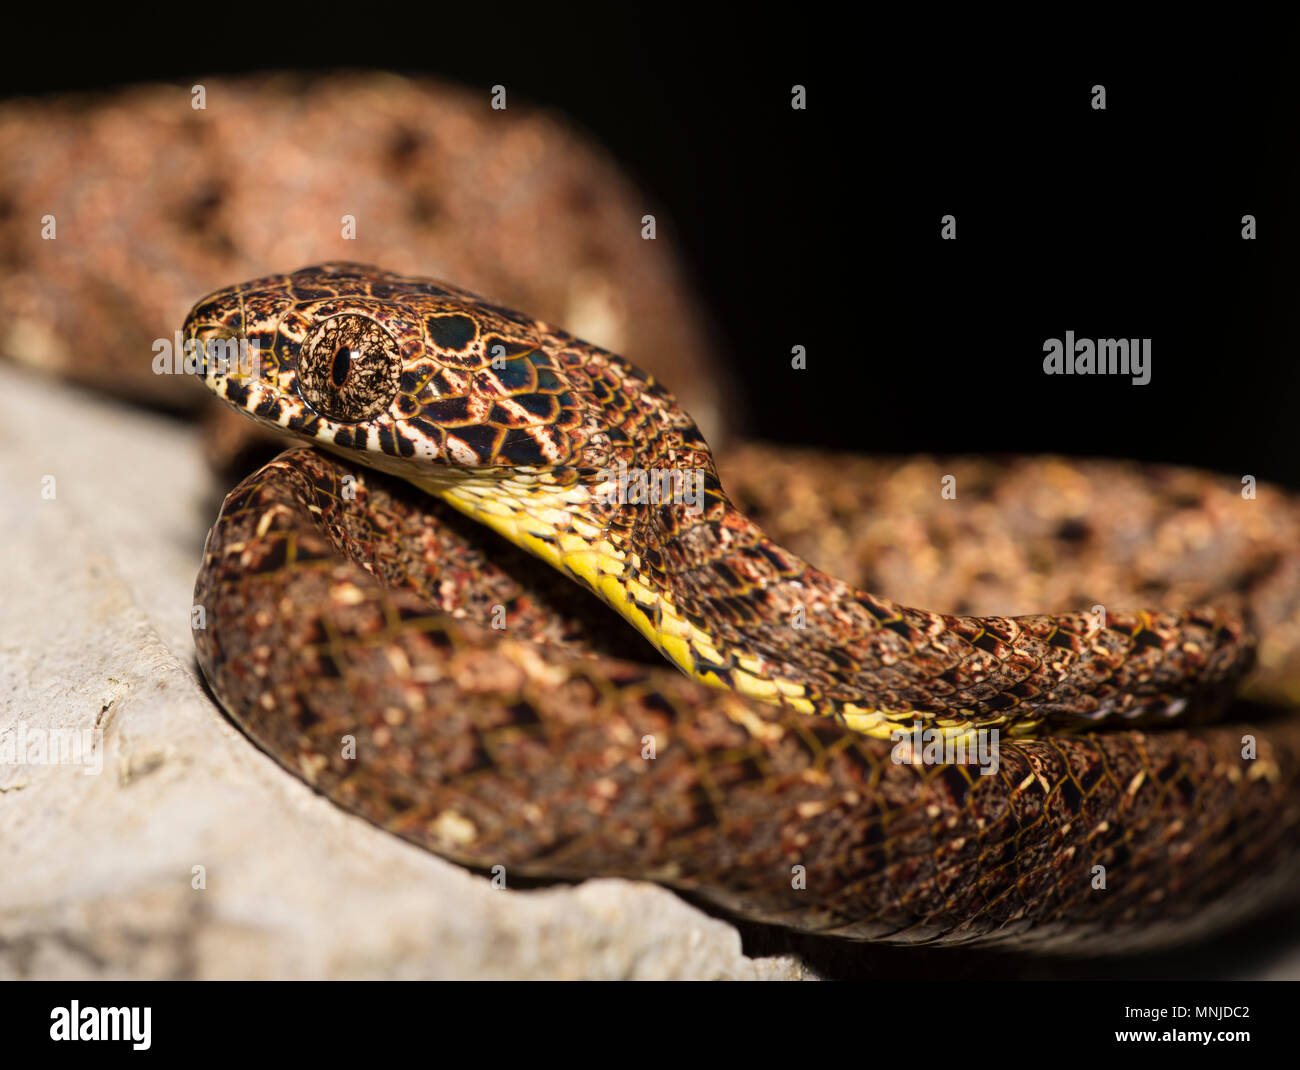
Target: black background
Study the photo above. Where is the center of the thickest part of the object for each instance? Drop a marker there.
(821, 227)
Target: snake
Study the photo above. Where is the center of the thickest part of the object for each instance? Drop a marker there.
(375, 610)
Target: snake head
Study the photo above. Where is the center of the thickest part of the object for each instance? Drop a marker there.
(398, 371)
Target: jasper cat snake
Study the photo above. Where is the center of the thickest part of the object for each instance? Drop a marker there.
(493, 723)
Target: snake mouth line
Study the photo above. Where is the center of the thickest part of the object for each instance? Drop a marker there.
(273, 402)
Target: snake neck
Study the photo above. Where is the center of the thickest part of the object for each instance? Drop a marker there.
(715, 595)
(734, 610)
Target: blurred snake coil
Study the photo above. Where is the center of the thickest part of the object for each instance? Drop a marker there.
(429, 677)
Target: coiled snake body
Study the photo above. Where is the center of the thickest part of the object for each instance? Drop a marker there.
(363, 635)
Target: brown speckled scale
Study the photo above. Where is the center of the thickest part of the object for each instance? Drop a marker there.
(344, 603)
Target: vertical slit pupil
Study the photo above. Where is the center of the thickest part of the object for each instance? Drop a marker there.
(341, 366)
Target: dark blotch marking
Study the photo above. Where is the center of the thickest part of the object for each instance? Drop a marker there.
(314, 293)
(1075, 531)
(275, 557)
(306, 715)
(746, 771)
(728, 578)
(516, 375)
(1071, 796)
(446, 410)
(480, 438)
(237, 392)
(1092, 773)
(841, 659)
(306, 553)
(494, 345)
(426, 427)
(403, 145)
(499, 416)
(268, 408)
(453, 332)
(703, 814)
(478, 761)
(549, 382)
(520, 447)
(1146, 637)
(523, 713)
(901, 627)
(778, 560)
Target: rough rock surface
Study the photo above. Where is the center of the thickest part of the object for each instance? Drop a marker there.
(97, 871)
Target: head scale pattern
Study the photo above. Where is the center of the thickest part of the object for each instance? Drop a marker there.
(394, 366)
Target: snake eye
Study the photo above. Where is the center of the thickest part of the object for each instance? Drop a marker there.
(348, 369)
